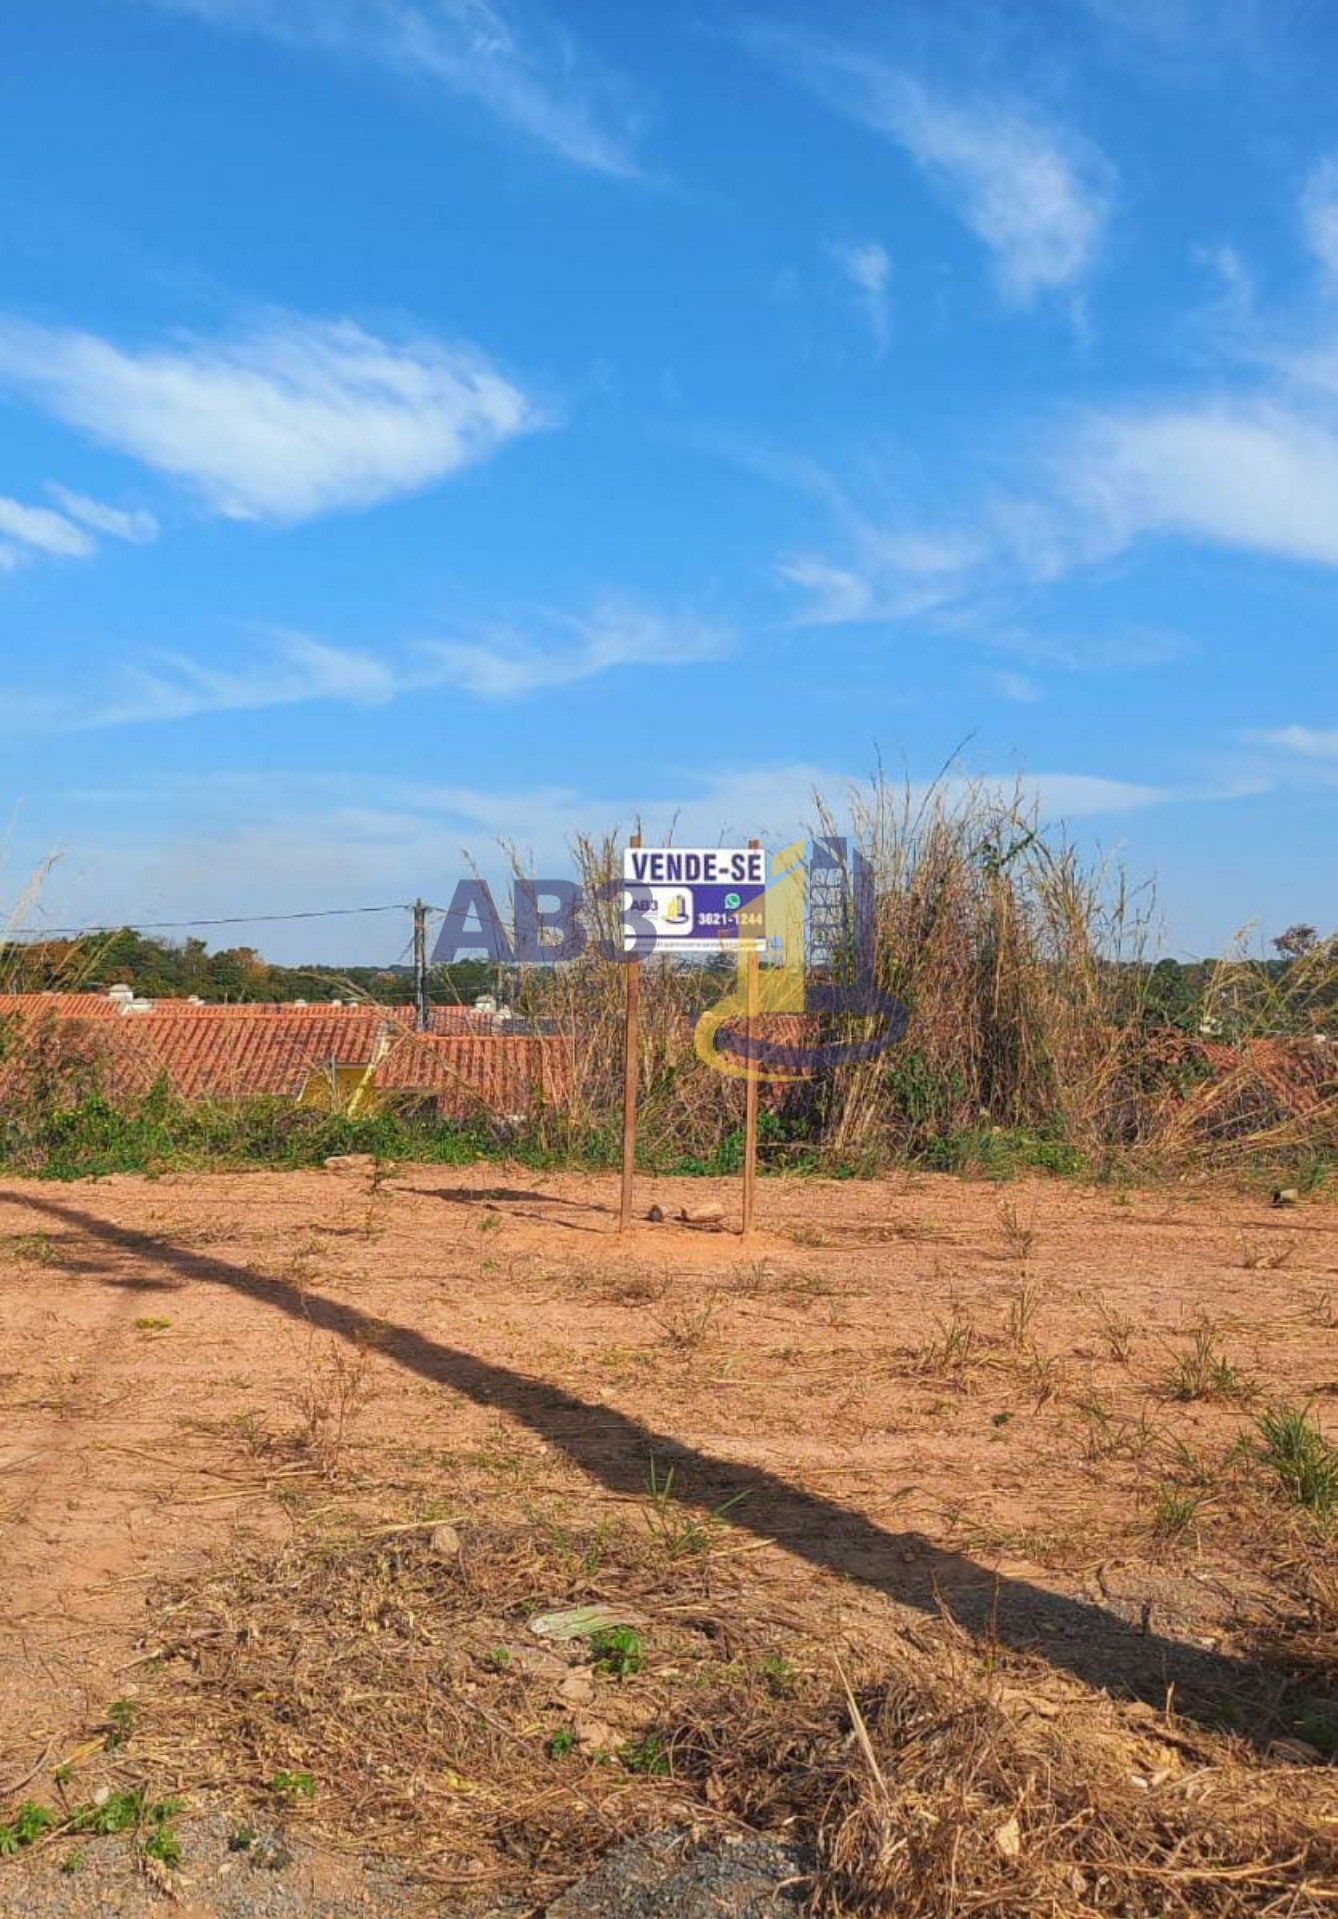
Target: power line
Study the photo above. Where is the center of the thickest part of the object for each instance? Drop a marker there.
(232, 919)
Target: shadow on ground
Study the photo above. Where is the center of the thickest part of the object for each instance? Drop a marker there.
(1074, 1635)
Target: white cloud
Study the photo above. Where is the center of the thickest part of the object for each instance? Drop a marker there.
(1037, 196)
(1319, 214)
(534, 79)
(505, 665)
(1254, 475)
(116, 522)
(867, 265)
(838, 595)
(1305, 742)
(298, 418)
(30, 530)
(1013, 686)
(294, 669)
(1247, 473)
(1077, 796)
(1038, 201)
(893, 572)
(1236, 298)
(48, 532)
(1253, 470)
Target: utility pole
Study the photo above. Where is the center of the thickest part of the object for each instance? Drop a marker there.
(420, 964)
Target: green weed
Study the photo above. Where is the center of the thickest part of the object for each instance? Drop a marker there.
(647, 1755)
(26, 1828)
(617, 1650)
(1173, 1514)
(293, 1785)
(1204, 1372)
(1301, 1459)
(121, 1723)
(778, 1675)
(681, 1534)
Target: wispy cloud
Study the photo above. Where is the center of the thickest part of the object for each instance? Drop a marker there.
(867, 266)
(290, 669)
(888, 572)
(40, 528)
(1253, 474)
(117, 523)
(1314, 743)
(1319, 214)
(1235, 281)
(1013, 686)
(528, 72)
(29, 532)
(504, 664)
(1249, 465)
(1038, 196)
(298, 418)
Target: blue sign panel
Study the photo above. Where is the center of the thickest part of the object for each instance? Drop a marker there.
(693, 899)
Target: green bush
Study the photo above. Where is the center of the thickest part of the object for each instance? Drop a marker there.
(160, 1132)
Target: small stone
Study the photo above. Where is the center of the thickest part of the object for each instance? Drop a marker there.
(592, 1735)
(535, 1662)
(1008, 1838)
(445, 1540)
(576, 1688)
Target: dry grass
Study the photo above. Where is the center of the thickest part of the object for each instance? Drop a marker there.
(403, 1677)
(1023, 967)
(936, 1791)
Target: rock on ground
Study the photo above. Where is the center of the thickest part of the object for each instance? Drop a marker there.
(278, 1876)
(666, 1876)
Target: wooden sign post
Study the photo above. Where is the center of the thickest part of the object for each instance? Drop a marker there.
(631, 1064)
(750, 1090)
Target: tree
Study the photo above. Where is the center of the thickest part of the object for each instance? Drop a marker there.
(1296, 941)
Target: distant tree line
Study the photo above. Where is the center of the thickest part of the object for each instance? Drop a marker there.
(1167, 993)
(167, 969)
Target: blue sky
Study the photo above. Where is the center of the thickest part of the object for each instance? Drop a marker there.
(431, 421)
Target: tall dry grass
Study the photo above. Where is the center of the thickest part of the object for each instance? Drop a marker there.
(1025, 968)
(1010, 954)
(1014, 959)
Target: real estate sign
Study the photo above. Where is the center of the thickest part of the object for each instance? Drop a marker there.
(694, 899)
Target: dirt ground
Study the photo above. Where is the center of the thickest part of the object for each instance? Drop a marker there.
(903, 1398)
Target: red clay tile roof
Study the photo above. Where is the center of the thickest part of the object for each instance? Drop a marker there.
(240, 1051)
(59, 1005)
